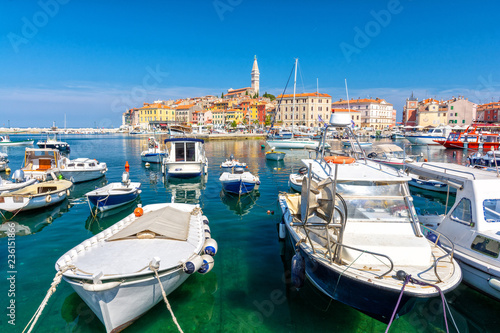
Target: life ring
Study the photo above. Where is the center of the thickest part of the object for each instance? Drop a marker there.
(339, 159)
(48, 199)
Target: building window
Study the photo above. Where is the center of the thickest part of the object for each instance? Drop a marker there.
(327, 108)
(320, 108)
(312, 109)
(452, 107)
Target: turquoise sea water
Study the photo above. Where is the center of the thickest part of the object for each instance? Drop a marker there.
(247, 290)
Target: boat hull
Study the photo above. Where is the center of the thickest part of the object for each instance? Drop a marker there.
(112, 306)
(153, 158)
(17, 143)
(469, 145)
(424, 140)
(24, 203)
(238, 186)
(106, 202)
(293, 144)
(275, 156)
(83, 175)
(184, 170)
(59, 146)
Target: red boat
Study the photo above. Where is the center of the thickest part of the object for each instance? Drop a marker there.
(476, 136)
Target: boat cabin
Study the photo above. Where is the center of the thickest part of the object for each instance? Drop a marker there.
(38, 163)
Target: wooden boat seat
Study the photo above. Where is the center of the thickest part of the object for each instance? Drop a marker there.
(44, 164)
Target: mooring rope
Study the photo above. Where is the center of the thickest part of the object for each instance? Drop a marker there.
(155, 269)
(52, 289)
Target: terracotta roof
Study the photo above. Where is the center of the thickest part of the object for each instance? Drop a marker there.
(345, 110)
(184, 107)
(360, 101)
(314, 94)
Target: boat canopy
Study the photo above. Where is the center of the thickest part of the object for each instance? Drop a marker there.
(184, 139)
(168, 223)
(387, 148)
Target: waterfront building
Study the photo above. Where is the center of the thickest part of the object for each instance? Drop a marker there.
(154, 112)
(489, 112)
(248, 91)
(234, 115)
(461, 111)
(457, 111)
(431, 113)
(375, 113)
(184, 113)
(218, 117)
(410, 111)
(308, 108)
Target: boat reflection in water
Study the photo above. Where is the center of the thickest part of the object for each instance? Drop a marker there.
(77, 193)
(241, 205)
(31, 222)
(186, 190)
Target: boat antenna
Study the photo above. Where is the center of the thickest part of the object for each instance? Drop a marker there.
(347, 93)
(293, 102)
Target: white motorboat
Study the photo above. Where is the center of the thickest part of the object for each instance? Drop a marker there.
(472, 224)
(186, 158)
(295, 144)
(356, 236)
(118, 271)
(5, 141)
(35, 196)
(115, 194)
(19, 181)
(3, 161)
(52, 141)
(153, 152)
(438, 133)
(82, 169)
(41, 163)
(295, 179)
(389, 154)
(239, 182)
(231, 163)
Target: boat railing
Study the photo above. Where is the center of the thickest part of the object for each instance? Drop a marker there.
(449, 253)
(449, 170)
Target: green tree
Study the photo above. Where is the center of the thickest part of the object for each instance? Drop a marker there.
(268, 120)
(246, 93)
(222, 95)
(271, 97)
(233, 124)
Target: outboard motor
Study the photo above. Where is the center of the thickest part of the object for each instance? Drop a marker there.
(125, 178)
(18, 176)
(231, 157)
(238, 169)
(303, 170)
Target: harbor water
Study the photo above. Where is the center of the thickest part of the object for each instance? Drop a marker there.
(247, 291)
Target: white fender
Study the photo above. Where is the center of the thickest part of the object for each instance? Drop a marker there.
(193, 265)
(208, 264)
(210, 246)
(282, 231)
(101, 286)
(48, 198)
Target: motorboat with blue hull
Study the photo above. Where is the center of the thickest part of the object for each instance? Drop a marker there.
(153, 152)
(114, 194)
(186, 158)
(472, 223)
(19, 181)
(239, 182)
(357, 238)
(38, 195)
(52, 141)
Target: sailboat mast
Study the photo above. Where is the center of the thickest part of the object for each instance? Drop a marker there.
(293, 101)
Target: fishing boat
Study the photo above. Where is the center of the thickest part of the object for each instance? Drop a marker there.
(153, 153)
(115, 194)
(274, 155)
(239, 182)
(429, 138)
(41, 163)
(5, 141)
(277, 133)
(231, 163)
(357, 239)
(490, 159)
(4, 161)
(389, 154)
(295, 179)
(472, 223)
(364, 144)
(186, 158)
(52, 141)
(429, 184)
(35, 196)
(476, 136)
(19, 181)
(82, 169)
(121, 272)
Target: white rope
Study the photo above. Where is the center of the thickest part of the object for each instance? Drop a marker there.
(165, 298)
(52, 289)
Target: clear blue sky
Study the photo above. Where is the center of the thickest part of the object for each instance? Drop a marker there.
(93, 59)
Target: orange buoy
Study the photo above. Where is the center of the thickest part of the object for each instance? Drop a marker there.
(339, 159)
(138, 211)
(425, 160)
(127, 167)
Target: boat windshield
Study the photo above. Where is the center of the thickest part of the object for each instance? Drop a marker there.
(491, 209)
(374, 201)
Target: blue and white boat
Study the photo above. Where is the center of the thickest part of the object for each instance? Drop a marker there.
(52, 141)
(19, 181)
(153, 153)
(231, 163)
(438, 133)
(114, 194)
(186, 158)
(3, 161)
(239, 182)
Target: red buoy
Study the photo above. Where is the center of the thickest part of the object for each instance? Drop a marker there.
(138, 211)
(127, 167)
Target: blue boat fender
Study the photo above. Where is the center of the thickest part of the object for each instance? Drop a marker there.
(193, 265)
(208, 264)
(205, 219)
(298, 271)
(207, 232)
(210, 247)
(433, 238)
